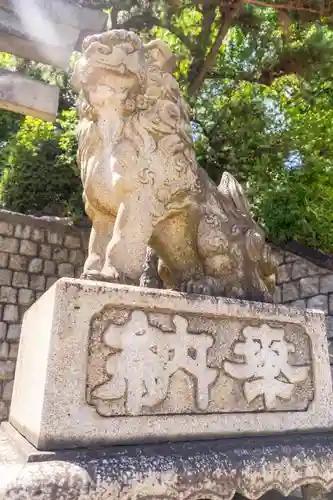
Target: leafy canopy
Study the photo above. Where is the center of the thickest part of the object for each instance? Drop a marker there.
(258, 77)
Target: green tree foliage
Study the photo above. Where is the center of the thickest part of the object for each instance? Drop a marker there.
(258, 77)
(39, 174)
(38, 159)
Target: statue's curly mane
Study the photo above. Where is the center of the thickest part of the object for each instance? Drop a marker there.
(89, 138)
(150, 113)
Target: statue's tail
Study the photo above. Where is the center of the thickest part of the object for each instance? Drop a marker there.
(231, 189)
(257, 249)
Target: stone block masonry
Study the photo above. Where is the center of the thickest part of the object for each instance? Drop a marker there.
(305, 280)
(34, 253)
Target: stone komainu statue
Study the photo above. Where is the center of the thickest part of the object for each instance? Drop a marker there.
(143, 186)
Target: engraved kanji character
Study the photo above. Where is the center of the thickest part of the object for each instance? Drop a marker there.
(266, 359)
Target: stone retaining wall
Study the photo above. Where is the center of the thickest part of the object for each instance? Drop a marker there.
(35, 252)
(303, 283)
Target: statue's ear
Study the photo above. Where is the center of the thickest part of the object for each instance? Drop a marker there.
(166, 59)
(88, 40)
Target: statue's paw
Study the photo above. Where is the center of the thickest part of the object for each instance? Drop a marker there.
(200, 287)
(108, 275)
(91, 275)
(150, 282)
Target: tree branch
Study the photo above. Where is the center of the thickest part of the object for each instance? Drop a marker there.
(139, 21)
(211, 56)
(146, 20)
(114, 17)
(288, 6)
(178, 33)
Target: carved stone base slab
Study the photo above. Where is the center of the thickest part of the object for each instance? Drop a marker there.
(101, 363)
(200, 470)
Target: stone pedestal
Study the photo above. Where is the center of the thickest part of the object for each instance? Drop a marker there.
(103, 364)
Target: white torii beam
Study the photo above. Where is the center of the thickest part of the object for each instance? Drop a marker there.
(29, 97)
(46, 31)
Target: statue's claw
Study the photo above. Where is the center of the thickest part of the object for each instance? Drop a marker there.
(200, 287)
(98, 276)
(110, 275)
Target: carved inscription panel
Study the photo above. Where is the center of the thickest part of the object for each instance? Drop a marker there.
(143, 363)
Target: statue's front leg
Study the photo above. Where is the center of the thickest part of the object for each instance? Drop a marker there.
(126, 252)
(100, 236)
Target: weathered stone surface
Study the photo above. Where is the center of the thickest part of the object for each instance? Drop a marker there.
(302, 268)
(8, 295)
(37, 283)
(4, 410)
(50, 282)
(182, 365)
(28, 248)
(26, 297)
(18, 262)
(278, 255)
(7, 390)
(298, 303)
(66, 270)
(326, 284)
(60, 255)
(290, 257)
(290, 291)
(35, 266)
(3, 330)
(8, 244)
(78, 272)
(14, 332)
(72, 242)
(318, 302)
(330, 303)
(309, 286)
(22, 231)
(215, 469)
(277, 297)
(45, 251)
(284, 273)
(38, 234)
(49, 268)
(5, 277)
(7, 369)
(21, 280)
(76, 257)
(26, 96)
(205, 245)
(55, 238)
(3, 259)
(10, 313)
(13, 350)
(4, 350)
(6, 228)
(329, 326)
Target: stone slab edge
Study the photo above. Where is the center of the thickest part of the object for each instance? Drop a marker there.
(207, 469)
(67, 420)
(55, 223)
